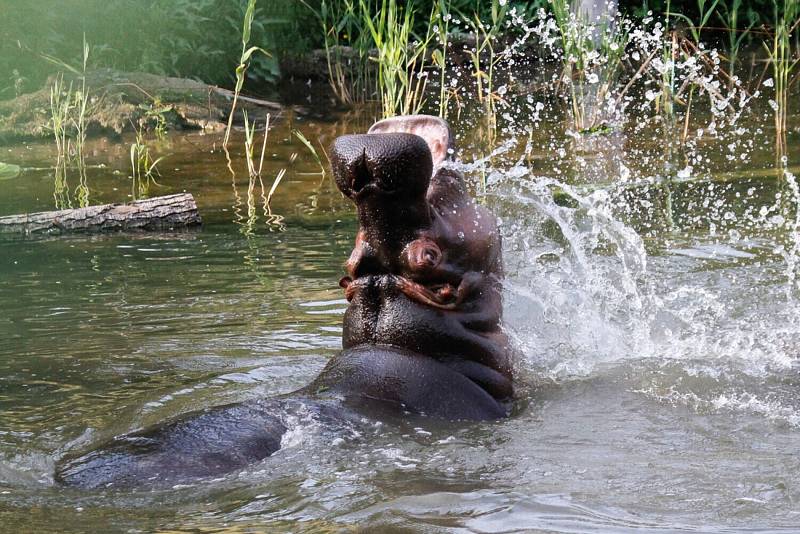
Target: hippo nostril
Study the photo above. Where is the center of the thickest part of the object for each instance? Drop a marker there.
(431, 256)
(360, 176)
(423, 254)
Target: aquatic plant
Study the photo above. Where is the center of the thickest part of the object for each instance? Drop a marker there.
(302, 138)
(591, 54)
(343, 28)
(249, 146)
(276, 182)
(155, 113)
(486, 33)
(68, 112)
(352, 31)
(255, 171)
(257, 190)
(60, 108)
(784, 60)
(704, 13)
(81, 100)
(401, 63)
(441, 29)
(729, 15)
(255, 182)
(143, 167)
(695, 28)
(244, 61)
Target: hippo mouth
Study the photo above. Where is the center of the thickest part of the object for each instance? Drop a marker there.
(442, 296)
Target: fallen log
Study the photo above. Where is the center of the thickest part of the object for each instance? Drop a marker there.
(152, 214)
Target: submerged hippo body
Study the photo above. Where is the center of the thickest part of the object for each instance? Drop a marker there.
(421, 332)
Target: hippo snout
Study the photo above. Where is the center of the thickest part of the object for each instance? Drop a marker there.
(396, 164)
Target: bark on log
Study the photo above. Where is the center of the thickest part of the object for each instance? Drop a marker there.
(152, 214)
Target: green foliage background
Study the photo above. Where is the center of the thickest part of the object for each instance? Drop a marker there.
(194, 38)
(190, 38)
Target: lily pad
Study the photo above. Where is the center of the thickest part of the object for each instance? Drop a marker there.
(8, 171)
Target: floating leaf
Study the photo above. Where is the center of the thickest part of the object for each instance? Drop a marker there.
(8, 171)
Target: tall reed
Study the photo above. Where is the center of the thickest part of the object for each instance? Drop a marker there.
(486, 33)
(143, 167)
(347, 47)
(249, 146)
(254, 172)
(79, 122)
(255, 184)
(401, 64)
(244, 62)
(68, 120)
(592, 57)
(60, 109)
(729, 15)
(784, 60)
(439, 56)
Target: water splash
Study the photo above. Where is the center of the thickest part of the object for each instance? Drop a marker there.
(584, 296)
(578, 277)
(642, 247)
(791, 252)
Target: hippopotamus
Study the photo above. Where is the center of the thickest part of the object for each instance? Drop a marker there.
(422, 330)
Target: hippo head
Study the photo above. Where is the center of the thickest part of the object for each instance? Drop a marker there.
(425, 273)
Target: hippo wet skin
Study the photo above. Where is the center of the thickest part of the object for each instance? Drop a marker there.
(421, 331)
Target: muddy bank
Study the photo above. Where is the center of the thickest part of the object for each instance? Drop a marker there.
(119, 100)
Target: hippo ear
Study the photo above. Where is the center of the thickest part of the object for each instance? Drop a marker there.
(434, 130)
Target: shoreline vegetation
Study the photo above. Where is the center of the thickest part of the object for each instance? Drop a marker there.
(400, 54)
(682, 68)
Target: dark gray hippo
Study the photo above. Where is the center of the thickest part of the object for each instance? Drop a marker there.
(421, 332)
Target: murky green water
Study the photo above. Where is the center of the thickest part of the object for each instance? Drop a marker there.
(658, 327)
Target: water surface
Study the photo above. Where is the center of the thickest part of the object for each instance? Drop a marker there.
(654, 307)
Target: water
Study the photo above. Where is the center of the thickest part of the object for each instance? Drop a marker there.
(653, 301)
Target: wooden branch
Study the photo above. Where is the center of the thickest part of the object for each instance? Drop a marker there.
(152, 214)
